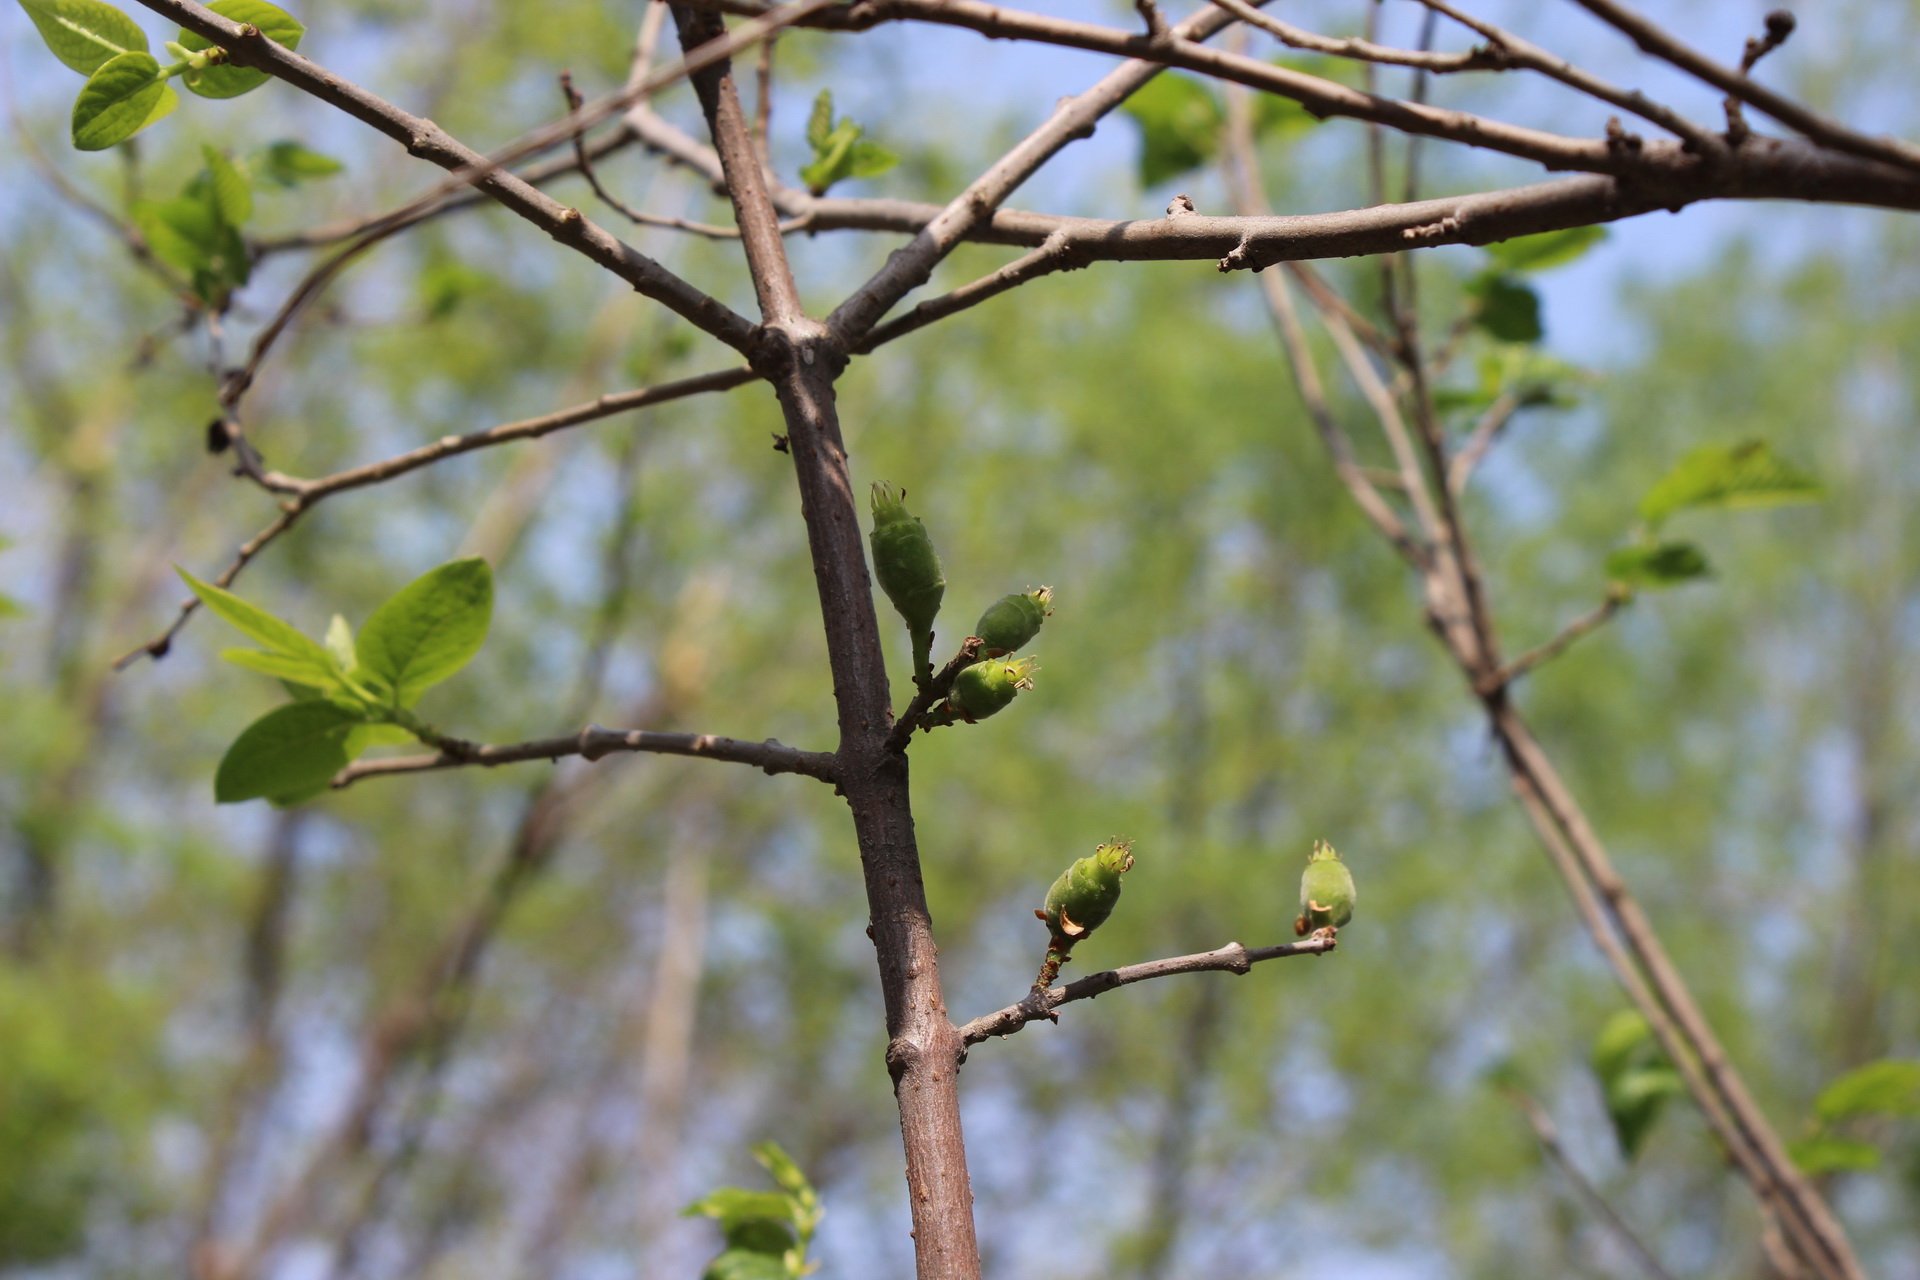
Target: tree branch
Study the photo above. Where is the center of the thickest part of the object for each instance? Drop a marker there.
(246, 47)
(1232, 958)
(910, 267)
(593, 743)
(1585, 624)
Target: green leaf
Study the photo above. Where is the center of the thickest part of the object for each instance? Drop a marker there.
(1824, 1153)
(1545, 251)
(1665, 564)
(1889, 1087)
(255, 623)
(430, 629)
(367, 736)
(1180, 124)
(188, 232)
(1624, 1040)
(289, 753)
(786, 1174)
(225, 80)
(1635, 1101)
(124, 96)
(1747, 474)
(85, 34)
(746, 1264)
(232, 193)
(820, 121)
(731, 1206)
(1509, 308)
(301, 671)
(287, 164)
(866, 159)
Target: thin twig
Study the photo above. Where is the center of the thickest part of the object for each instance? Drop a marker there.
(1483, 58)
(1481, 439)
(594, 742)
(1585, 624)
(307, 493)
(1232, 958)
(923, 699)
(1548, 1136)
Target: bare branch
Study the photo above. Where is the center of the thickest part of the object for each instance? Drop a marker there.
(1548, 1136)
(1822, 129)
(1484, 58)
(1587, 623)
(923, 699)
(1481, 439)
(307, 493)
(1232, 958)
(912, 266)
(593, 743)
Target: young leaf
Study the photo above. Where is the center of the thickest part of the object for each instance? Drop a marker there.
(1889, 1087)
(188, 232)
(786, 1174)
(85, 34)
(301, 671)
(1509, 308)
(1180, 122)
(1824, 1153)
(232, 194)
(731, 1206)
(366, 736)
(430, 629)
(1546, 250)
(286, 754)
(1635, 1078)
(1748, 474)
(226, 80)
(339, 644)
(287, 164)
(125, 95)
(255, 623)
(820, 121)
(746, 1264)
(867, 159)
(1666, 564)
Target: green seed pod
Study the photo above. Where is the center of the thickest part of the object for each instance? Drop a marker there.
(1011, 621)
(1327, 893)
(904, 560)
(986, 687)
(1084, 896)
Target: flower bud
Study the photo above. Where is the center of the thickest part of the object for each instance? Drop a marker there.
(1084, 896)
(904, 560)
(1013, 620)
(985, 687)
(1327, 892)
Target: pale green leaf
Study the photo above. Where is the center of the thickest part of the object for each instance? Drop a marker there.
(339, 644)
(820, 121)
(1889, 1087)
(746, 1264)
(430, 629)
(231, 192)
(1748, 474)
(287, 164)
(85, 34)
(1508, 308)
(866, 159)
(226, 80)
(299, 670)
(125, 95)
(733, 1205)
(1546, 250)
(1825, 1153)
(254, 622)
(286, 754)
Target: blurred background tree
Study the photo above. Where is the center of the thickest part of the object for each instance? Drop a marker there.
(494, 1023)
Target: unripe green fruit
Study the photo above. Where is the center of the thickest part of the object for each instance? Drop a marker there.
(1011, 621)
(904, 560)
(1084, 896)
(985, 687)
(1327, 891)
